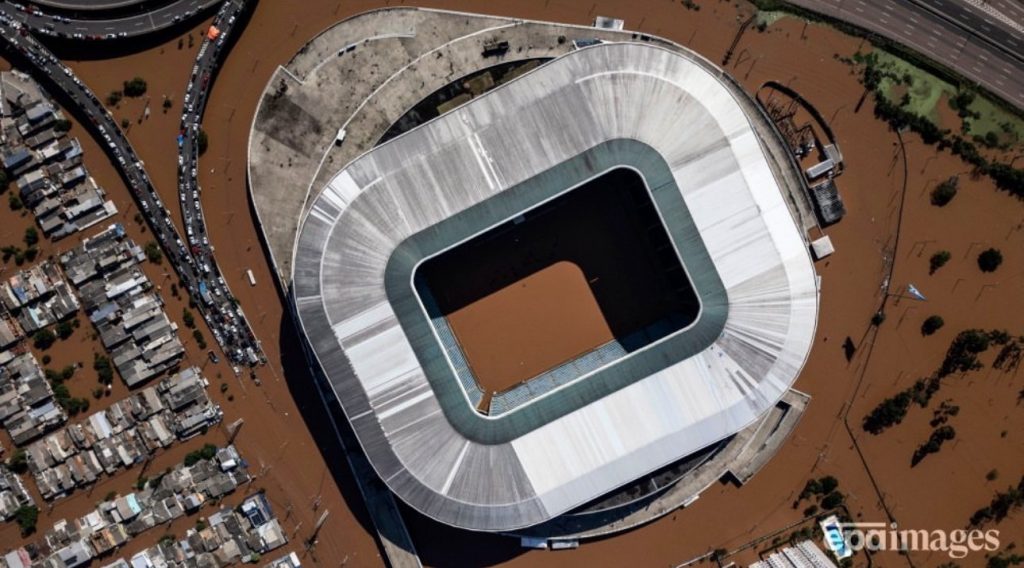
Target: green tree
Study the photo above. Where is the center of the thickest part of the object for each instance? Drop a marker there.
(200, 340)
(104, 371)
(135, 87)
(207, 452)
(932, 324)
(934, 443)
(14, 202)
(43, 339)
(27, 516)
(153, 252)
(832, 500)
(989, 260)
(113, 98)
(18, 462)
(889, 412)
(65, 329)
(829, 484)
(62, 125)
(938, 260)
(188, 318)
(945, 192)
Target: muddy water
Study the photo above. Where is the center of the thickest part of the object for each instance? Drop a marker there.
(941, 492)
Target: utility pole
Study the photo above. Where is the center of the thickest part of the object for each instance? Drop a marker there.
(311, 542)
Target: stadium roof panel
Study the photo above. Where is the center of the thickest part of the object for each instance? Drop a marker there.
(542, 464)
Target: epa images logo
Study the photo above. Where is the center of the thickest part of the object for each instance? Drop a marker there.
(843, 539)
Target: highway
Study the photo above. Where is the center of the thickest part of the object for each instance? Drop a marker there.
(957, 38)
(87, 5)
(62, 26)
(213, 289)
(226, 320)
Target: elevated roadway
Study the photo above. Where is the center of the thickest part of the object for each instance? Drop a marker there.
(982, 44)
(17, 40)
(100, 28)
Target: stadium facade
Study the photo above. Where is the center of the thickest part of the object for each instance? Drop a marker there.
(668, 115)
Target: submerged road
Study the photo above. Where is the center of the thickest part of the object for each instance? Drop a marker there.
(981, 41)
(240, 345)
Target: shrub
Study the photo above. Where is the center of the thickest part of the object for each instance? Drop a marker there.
(188, 318)
(14, 202)
(113, 98)
(944, 192)
(989, 260)
(932, 324)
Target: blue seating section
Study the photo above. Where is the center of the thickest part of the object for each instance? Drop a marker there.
(556, 377)
(452, 347)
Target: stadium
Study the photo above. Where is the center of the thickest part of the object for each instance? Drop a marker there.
(572, 282)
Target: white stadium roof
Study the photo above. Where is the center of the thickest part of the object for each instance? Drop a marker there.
(670, 115)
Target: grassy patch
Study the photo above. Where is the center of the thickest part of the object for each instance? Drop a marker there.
(992, 118)
(766, 18)
(924, 89)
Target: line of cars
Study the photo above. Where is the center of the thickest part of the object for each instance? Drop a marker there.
(63, 26)
(213, 291)
(224, 317)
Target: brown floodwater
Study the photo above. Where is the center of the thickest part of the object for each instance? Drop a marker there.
(287, 440)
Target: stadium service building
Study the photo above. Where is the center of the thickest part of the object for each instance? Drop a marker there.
(618, 413)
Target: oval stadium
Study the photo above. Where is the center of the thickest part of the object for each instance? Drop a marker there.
(581, 278)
